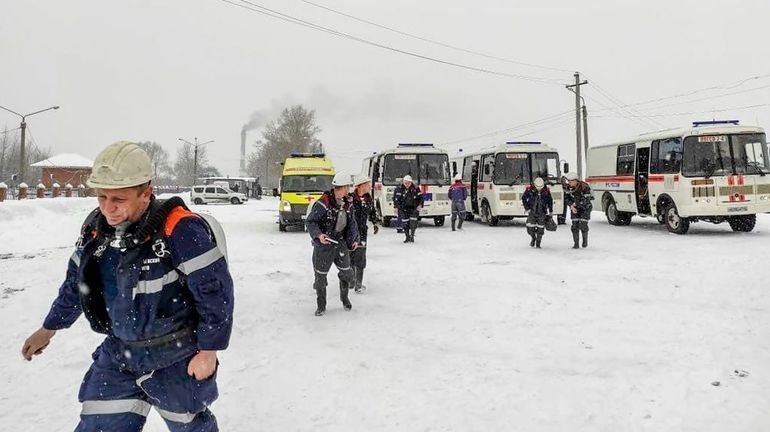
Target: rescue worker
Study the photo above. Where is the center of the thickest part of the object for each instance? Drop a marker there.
(539, 206)
(408, 199)
(150, 276)
(562, 217)
(578, 197)
(363, 204)
(332, 226)
(458, 193)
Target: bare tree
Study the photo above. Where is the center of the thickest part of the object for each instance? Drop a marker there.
(295, 130)
(184, 167)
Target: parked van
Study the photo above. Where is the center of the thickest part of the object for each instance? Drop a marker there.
(714, 171)
(214, 193)
(305, 177)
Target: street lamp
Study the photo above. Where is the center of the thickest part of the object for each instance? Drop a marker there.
(23, 149)
(195, 163)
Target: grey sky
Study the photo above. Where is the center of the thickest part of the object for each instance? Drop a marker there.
(163, 69)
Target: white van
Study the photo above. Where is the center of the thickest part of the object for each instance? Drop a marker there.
(206, 194)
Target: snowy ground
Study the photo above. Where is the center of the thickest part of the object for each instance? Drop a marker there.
(466, 331)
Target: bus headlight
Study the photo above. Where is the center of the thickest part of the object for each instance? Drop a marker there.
(286, 206)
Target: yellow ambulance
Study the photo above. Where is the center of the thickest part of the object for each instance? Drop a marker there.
(305, 177)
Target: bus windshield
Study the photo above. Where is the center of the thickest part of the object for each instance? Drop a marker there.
(523, 168)
(425, 169)
(306, 183)
(709, 155)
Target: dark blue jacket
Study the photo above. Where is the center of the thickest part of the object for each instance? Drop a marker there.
(581, 198)
(458, 192)
(180, 286)
(407, 199)
(540, 203)
(363, 207)
(323, 220)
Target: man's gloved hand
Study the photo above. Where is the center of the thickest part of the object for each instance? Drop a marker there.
(375, 229)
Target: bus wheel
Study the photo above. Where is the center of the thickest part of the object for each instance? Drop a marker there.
(486, 215)
(616, 217)
(675, 223)
(661, 218)
(439, 220)
(281, 227)
(743, 223)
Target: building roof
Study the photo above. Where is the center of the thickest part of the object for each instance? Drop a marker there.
(65, 160)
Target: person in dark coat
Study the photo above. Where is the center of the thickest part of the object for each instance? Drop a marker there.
(334, 232)
(152, 278)
(578, 197)
(363, 204)
(562, 218)
(457, 194)
(538, 203)
(408, 199)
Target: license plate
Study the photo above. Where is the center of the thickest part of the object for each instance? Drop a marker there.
(423, 212)
(737, 209)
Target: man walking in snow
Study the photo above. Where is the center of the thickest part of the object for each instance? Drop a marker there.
(538, 203)
(407, 198)
(458, 193)
(578, 197)
(332, 226)
(151, 277)
(363, 204)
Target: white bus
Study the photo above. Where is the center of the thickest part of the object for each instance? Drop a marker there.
(497, 178)
(429, 168)
(714, 171)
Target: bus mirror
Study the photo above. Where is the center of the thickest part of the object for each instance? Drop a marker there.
(566, 168)
(275, 192)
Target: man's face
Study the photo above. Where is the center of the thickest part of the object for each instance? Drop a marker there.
(573, 183)
(123, 205)
(340, 192)
(364, 188)
(407, 183)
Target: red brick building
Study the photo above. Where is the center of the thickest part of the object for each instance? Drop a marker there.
(63, 169)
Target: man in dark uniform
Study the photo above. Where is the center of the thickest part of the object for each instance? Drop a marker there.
(539, 205)
(578, 198)
(408, 199)
(332, 226)
(363, 205)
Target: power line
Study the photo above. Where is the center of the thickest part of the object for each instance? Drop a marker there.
(432, 41)
(621, 106)
(551, 118)
(288, 18)
(705, 89)
(696, 112)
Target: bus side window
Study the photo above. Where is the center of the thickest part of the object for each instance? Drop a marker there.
(626, 157)
(666, 156)
(376, 170)
(468, 166)
(454, 168)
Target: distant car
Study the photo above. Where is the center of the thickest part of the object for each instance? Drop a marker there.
(216, 194)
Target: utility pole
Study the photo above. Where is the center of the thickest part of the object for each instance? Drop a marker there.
(22, 147)
(585, 133)
(578, 136)
(195, 157)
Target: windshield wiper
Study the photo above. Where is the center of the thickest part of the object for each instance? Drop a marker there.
(710, 169)
(755, 165)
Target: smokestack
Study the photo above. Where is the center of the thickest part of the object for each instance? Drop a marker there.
(256, 120)
(243, 150)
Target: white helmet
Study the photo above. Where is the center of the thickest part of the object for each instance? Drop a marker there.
(407, 178)
(121, 165)
(571, 176)
(458, 177)
(361, 180)
(539, 183)
(341, 180)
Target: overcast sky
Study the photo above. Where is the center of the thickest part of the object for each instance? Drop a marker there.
(163, 69)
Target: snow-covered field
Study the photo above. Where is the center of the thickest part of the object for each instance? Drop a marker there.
(466, 331)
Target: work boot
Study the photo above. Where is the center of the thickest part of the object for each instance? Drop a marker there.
(453, 224)
(576, 239)
(346, 301)
(534, 239)
(585, 239)
(359, 280)
(538, 239)
(460, 223)
(321, 306)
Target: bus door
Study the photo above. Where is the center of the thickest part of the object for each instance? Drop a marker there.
(643, 180)
(474, 183)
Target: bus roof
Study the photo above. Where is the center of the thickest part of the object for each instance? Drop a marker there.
(412, 149)
(511, 147)
(307, 165)
(705, 128)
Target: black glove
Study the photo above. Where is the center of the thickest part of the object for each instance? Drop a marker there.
(375, 229)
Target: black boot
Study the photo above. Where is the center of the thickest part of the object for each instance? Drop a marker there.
(460, 223)
(538, 239)
(585, 238)
(576, 239)
(321, 306)
(359, 280)
(533, 241)
(453, 223)
(413, 229)
(344, 296)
